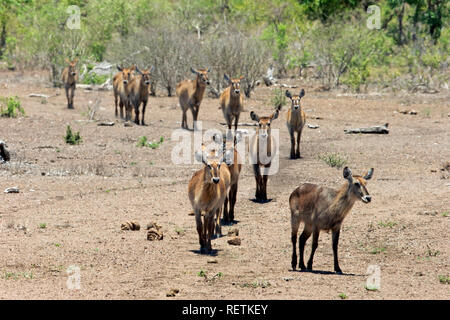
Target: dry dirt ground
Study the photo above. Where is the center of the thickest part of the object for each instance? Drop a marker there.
(73, 200)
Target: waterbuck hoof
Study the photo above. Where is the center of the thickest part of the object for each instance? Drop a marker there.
(338, 270)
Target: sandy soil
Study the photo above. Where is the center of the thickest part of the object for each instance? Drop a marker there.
(73, 200)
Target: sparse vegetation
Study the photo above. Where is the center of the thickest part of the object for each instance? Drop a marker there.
(202, 274)
(343, 296)
(143, 142)
(387, 224)
(10, 107)
(444, 279)
(71, 138)
(279, 98)
(42, 225)
(180, 231)
(334, 160)
(377, 250)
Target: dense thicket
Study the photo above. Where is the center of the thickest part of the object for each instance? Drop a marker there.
(324, 40)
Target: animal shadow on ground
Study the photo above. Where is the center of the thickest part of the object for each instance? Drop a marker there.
(213, 253)
(325, 272)
(260, 201)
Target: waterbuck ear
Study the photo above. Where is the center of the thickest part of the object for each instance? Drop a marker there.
(227, 79)
(152, 69)
(348, 174)
(67, 60)
(199, 157)
(209, 70)
(369, 174)
(275, 114)
(119, 68)
(193, 70)
(138, 71)
(302, 93)
(254, 116)
(241, 78)
(75, 61)
(288, 94)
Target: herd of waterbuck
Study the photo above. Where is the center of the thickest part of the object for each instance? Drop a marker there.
(213, 189)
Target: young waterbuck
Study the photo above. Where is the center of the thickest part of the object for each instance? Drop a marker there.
(322, 208)
(69, 78)
(262, 151)
(139, 91)
(190, 94)
(295, 121)
(121, 82)
(207, 191)
(231, 101)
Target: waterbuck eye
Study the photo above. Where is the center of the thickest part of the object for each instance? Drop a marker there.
(209, 166)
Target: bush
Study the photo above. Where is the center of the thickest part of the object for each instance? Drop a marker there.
(71, 138)
(333, 160)
(10, 107)
(279, 98)
(93, 78)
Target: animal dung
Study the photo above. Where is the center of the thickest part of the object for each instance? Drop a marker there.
(133, 226)
(172, 292)
(235, 241)
(154, 232)
(233, 232)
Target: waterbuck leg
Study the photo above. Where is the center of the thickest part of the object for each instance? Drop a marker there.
(233, 195)
(292, 145)
(301, 246)
(198, 220)
(299, 136)
(335, 239)
(315, 244)
(144, 105)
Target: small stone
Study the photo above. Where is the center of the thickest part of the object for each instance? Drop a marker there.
(172, 292)
(212, 261)
(12, 190)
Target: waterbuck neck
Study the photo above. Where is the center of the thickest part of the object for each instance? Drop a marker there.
(199, 90)
(343, 201)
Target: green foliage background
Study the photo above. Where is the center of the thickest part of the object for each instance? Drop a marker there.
(329, 35)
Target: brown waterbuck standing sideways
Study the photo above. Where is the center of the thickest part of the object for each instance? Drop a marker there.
(295, 121)
(121, 90)
(207, 191)
(322, 208)
(232, 102)
(69, 78)
(190, 94)
(139, 91)
(262, 151)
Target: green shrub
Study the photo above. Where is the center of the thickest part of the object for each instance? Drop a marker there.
(279, 98)
(93, 78)
(143, 142)
(71, 138)
(333, 160)
(10, 107)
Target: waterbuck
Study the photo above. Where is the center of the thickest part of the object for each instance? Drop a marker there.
(322, 208)
(190, 94)
(139, 91)
(295, 121)
(262, 151)
(232, 102)
(69, 78)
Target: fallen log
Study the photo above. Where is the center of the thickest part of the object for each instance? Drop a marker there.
(383, 129)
